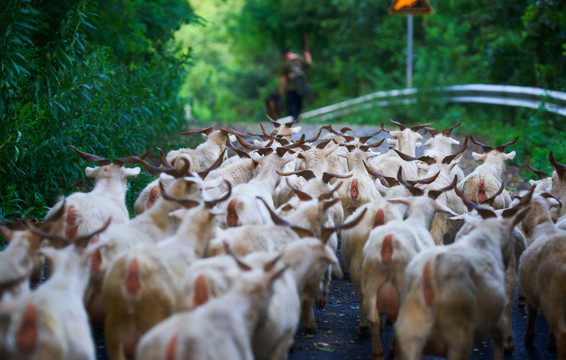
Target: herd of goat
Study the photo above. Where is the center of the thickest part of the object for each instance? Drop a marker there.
(227, 255)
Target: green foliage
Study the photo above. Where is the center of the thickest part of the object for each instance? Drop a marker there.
(73, 74)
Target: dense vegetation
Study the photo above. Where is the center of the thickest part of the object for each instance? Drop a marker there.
(102, 75)
(358, 48)
(108, 75)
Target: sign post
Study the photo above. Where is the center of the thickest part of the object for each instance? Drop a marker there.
(410, 8)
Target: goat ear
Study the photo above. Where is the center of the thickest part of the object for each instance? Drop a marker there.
(441, 208)
(179, 213)
(91, 171)
(405, 201)
(510, 155)
(50, 252)
(129, 172)
(478, 157)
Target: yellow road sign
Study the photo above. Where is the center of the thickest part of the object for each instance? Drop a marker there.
(413, 7)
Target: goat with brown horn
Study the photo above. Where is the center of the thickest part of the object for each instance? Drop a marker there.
(560, 168)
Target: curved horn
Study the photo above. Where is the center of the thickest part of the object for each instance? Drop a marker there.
(327, 176)
(485, 147)
(374, 145)
(55, 216)
(363, 139)
(246, 144)
(315, 138)
(275, 123)
(183, 202)
(415, 191)
(433, 194)
(448, 131)
(239, 152)
(163, 159)
(501, 148)
(326, 232)
(419, 126)
(210, 203)
(241, 264)
(560, 168)
(82, 241)
(291, 123)
(401, 126)
(425, 181)
(376, 174)
(433, 132)
(303, 196)
(277, 220)
(346, 129)
(541, 174)
(215, 165)
(547, 195)
(425, 158)
(232, 131)
(328, 195)
(56, 241)
(206, 131)
(448, 159)
(307, 174)
(323, 144)
(489, 201)
(131, 160)
(91, 157)
(484, 213)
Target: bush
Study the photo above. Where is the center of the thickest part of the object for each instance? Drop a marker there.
(62, 84)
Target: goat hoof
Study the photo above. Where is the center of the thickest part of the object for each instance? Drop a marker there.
(363, 330)
(521, 301)
(311, 330)
(508, 346)
(320, 303)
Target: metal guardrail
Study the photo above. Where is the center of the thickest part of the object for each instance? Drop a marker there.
(507, 95)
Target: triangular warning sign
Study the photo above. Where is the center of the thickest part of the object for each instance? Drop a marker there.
(414, 7)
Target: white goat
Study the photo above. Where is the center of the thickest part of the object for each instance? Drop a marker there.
(455, 294)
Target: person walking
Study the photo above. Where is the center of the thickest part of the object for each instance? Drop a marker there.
(293, 82)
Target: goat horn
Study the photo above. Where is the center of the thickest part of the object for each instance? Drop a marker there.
(326, 232)
(215, 165)
(428, 180)
(277, 220)
(275, 123)
(82, 241)
(345, 129)
(291, 123)
(239, 152)
(376, 174)
(433, 194)
(448, 131)
(448, 159)
(187, 203)
(425, 158)
(323, 144)
(55, 216)
(433, 132)
(541, 174)
(364, 139)
(501, 148)
(303, 196)
(327, 176)
(560, 168)
(486, 148)
(241, 264)
(419, 126)
(91, 157)
(315, 138)
(206, 131)
(131, 160)
(210, 203)
(232, 131)
(471, 205)
(307, 174)
(415, 191)
(401, 126)
(328, 195)
(489, 201)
